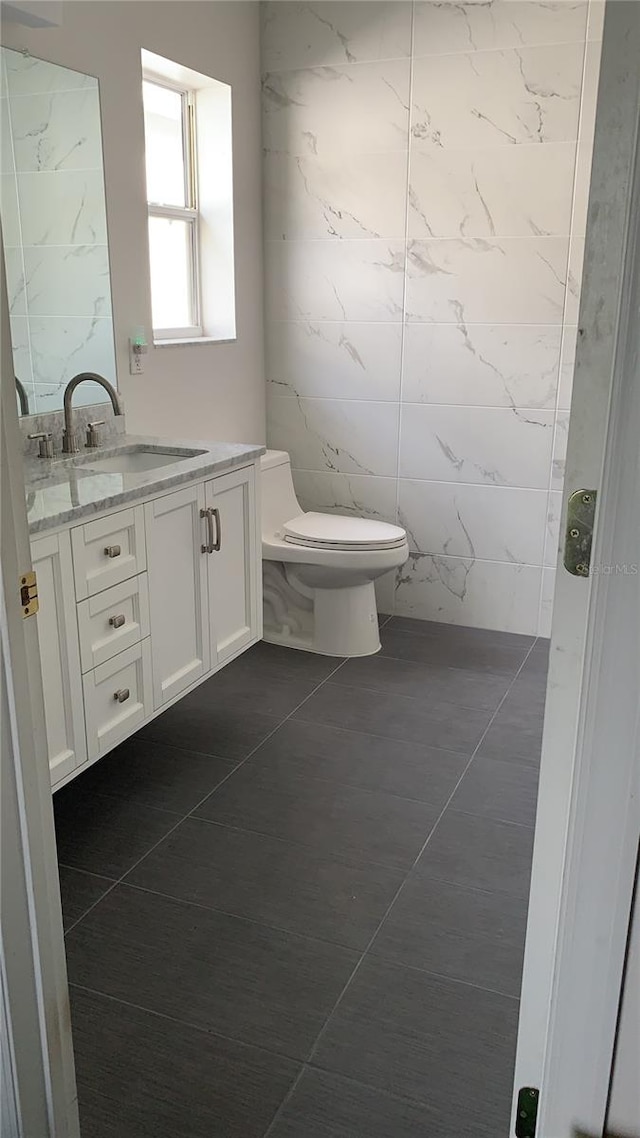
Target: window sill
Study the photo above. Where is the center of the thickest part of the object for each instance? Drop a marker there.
(194, 340)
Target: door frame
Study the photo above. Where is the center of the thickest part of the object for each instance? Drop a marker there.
(38, 1063)
(588, 821)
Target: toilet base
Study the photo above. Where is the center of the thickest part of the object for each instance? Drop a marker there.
(331, 622)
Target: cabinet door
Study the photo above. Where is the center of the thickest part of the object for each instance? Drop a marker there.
(59, 654)
(177, 573)
(234, 565)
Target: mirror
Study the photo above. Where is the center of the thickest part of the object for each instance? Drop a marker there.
(54, 225)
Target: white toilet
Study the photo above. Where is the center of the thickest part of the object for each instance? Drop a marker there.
(319, 569)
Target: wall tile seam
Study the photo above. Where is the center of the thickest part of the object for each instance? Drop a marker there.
(538, 566)
(414, 144)
(552, 488)
(466, 239)
(395, 402)
(426, 323)
(64, 245)
(293, 69)
(403, 478)
(405, 278)
(11, 95)
(61, 170)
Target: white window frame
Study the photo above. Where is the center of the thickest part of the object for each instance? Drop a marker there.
(188, 213)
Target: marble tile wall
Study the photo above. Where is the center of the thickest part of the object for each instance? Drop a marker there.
(426, 182)
(55, 230)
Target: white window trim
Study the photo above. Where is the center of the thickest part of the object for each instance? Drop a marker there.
(188, 213)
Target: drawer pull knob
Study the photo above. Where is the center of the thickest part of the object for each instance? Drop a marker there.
(121, 694)
(112, 550)
(117, 621)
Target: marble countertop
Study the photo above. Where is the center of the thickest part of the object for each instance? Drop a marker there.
(63, 491)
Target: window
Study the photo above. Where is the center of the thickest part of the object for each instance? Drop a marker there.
(174, 221)
(190, 202)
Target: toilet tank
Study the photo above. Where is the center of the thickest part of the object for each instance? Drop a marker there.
(279, 502)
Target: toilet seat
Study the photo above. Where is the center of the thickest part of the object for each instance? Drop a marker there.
(340, 531)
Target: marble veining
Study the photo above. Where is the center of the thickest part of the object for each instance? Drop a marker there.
(55, 226)
(329, 110)
(498, 98)
(515, 191)
(336, 280)
(64, 346)
(484, 594)
(64, 491)
(340, 435)
(347, 195)
(496, 280)
(490, 445)
(340, 360)
(62, 207)
(493, 365)
(423, 267)
(552, 536)
(443, 28)
(361, 495)
(442, 518)
(304, 35)
(52, 421)
(57, 131)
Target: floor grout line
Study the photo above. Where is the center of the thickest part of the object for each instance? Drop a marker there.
(239, 917)
(309, 1063)
(401, 887)
(201, 802)
(252, 752)
(186, 1023)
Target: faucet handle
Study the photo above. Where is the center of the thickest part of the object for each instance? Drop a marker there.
(45, 447)
(93, 434)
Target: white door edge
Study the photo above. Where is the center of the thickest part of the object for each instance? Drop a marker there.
(588, 808)
(36, 990)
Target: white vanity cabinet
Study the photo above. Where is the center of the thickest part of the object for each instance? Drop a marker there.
(59, 655)
(140, 605)
(204, 579)
(234, 567)
(178, 597)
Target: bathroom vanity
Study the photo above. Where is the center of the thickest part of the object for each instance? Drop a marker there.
(148, 564)
(147, 552)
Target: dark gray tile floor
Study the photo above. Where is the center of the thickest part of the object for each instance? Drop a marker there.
(296, 902)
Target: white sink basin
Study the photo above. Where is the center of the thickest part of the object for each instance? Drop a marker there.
(139, 460)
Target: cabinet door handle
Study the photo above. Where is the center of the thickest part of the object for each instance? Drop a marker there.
(121, 694)
(208, 548)
(112, 550)
(218, 542)
(117, 621)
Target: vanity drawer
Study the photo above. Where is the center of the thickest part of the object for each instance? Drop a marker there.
(108, 551)
(112, 621)
(118, 697)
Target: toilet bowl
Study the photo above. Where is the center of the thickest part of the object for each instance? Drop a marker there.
(319, 570)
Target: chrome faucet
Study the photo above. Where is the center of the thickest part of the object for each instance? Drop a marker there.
(69, 443)
(23, 398)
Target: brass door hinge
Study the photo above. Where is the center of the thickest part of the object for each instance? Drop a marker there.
(29, 594)
(581, 509)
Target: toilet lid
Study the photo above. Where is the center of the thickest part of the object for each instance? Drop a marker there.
(338, 531)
